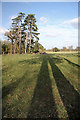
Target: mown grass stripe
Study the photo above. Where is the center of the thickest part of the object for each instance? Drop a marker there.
(62, 113)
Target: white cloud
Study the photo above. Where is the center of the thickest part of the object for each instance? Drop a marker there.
(51, 31)
(58, 36)
(43, 19)
(3, 30)
(51, 34)
(72, 22)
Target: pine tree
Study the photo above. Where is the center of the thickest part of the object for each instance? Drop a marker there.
(17, 25)
(31, 30)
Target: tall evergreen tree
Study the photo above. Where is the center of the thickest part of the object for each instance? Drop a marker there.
(31, 30)
(20, 18)
(17, 22)
(26, 23)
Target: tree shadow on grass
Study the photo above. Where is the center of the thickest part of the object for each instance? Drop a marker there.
(32, 61)
(74, 64)
(43, 105)
(69, 95)
(9, 89)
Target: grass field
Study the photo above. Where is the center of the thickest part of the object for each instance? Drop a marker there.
(41, 86)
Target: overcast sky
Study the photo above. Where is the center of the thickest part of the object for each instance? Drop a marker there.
(57, 21)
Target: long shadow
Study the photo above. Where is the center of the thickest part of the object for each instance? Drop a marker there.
(35, 60)
(9, 89)
(74, 64)
(43, 105)
(69, 95)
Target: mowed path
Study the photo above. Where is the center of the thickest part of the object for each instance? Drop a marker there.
(46, 88)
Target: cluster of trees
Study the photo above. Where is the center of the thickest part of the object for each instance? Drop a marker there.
(22, 36)
(6, 48)
(55, 49)
(70, 48)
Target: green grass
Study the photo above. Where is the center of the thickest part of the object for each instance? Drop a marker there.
(40, 86)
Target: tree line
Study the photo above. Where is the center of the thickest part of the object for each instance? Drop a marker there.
(22, 36)
(70, 48)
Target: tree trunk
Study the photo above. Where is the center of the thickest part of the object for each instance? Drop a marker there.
(14, 47)
(26, 40)
(11, 46)
(20, 43)
(30, 41)
(19, 47)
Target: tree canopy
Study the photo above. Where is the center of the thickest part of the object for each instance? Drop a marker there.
(23, 34)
